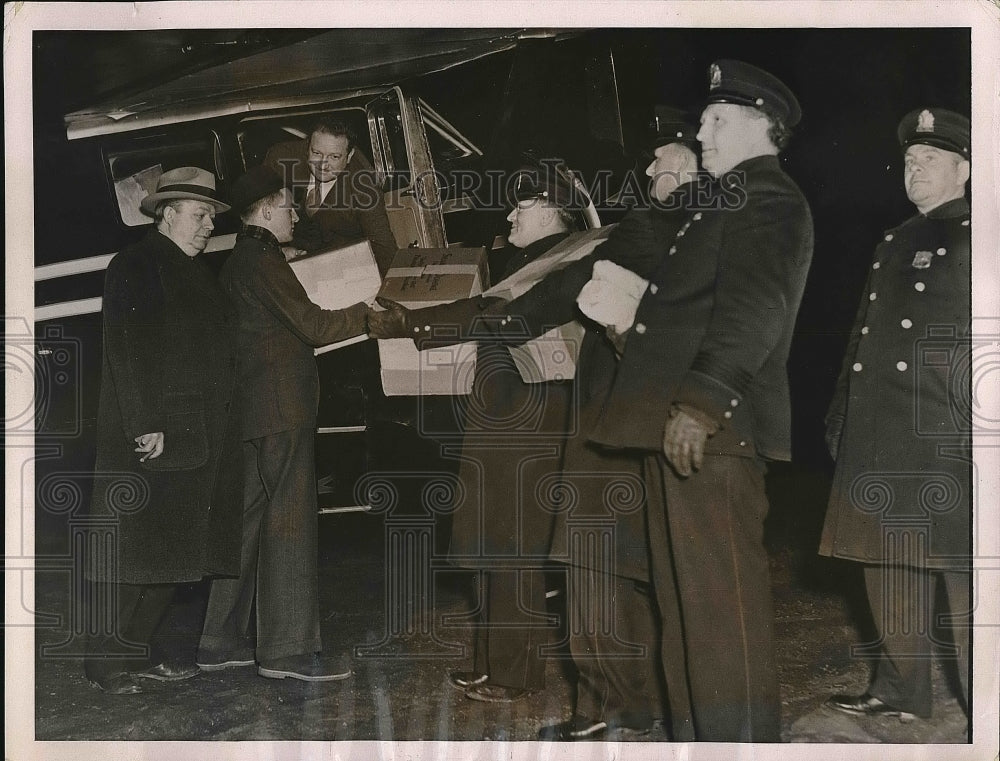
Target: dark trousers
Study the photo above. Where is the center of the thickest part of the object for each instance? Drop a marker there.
(614, 641)
(511, 628)
(902, 604)
(140, 610)
(279, 556)
(710, 573)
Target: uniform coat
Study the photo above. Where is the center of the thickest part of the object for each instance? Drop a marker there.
(354, 208)
(904, 398)
(712, 333)
(169, 365)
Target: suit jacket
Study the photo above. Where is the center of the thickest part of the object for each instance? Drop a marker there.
(278, 328)
(354, 208)
(714, 328)
(169, 364)
(904, 398)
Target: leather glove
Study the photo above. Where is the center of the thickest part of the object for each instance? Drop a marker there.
(394, 322)
(684, 440)
(834, 429)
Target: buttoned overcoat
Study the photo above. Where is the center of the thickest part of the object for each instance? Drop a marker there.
(169, 365)
(903, 469)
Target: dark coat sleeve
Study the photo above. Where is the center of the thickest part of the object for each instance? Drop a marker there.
(133, 309)
(763, 257)
(278, 290)
(637, 243)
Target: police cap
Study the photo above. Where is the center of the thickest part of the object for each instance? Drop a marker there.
(937, 127)
(738, 82)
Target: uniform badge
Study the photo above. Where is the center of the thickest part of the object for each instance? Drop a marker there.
(925, 122)
(922, 260)
(715, 74)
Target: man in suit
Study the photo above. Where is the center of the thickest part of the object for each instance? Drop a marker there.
(335, 191)
(701, 395)
(168, 471)
(279, 394)
(899, 427)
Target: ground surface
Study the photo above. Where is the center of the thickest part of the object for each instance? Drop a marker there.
(402, 692)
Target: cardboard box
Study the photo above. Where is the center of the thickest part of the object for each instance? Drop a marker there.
(552, 356)
(338, 278)
(422, 277)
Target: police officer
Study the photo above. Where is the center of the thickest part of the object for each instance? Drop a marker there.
(701, 393)
(898, 426)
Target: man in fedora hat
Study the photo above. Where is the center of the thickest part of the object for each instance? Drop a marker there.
(278, 398)
(701, 395)
(899, 427)
(168, 472)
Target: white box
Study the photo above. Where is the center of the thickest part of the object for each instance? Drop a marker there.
(338, 278)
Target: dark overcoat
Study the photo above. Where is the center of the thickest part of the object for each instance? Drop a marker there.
(512, 439)
(903, 463)
(353, 209)
(713, 329)
(278, 328)
(169, 365)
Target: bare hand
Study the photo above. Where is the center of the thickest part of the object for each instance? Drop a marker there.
(684, 442)
(150, 444)
(394, 322)
(291, 252)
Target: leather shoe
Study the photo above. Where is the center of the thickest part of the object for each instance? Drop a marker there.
(212, 660)
(577, 728)
(496, 693)
(463, 680)
(169, 672)
(309, 668)
(867, 705)
(121, 683)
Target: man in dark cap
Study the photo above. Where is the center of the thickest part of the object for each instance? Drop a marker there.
(513, 438)
(278, 393)
(701, 394)
(899, 427)
(168, 474)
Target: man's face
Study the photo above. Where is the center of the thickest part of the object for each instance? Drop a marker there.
(933, 176)
(328, 155)
(672, 165)
(283, 217)
(730, 134)
(190, 225)
(530, 220)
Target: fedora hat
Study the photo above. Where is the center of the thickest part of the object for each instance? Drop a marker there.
(184, 182)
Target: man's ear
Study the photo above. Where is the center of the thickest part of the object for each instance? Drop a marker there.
(964, 170)
(350, 155)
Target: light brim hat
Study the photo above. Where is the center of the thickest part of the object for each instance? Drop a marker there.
(184, 183)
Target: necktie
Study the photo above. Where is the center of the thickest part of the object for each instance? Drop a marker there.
(313, 197)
